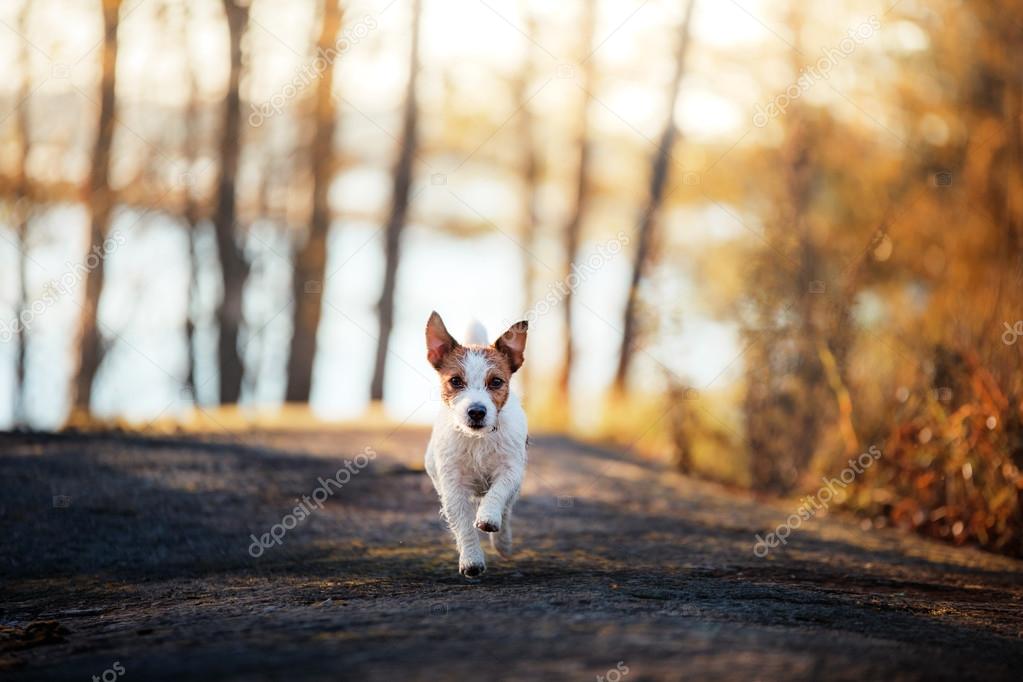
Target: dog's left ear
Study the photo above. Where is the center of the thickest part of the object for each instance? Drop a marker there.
(438, 341)
(513, 344)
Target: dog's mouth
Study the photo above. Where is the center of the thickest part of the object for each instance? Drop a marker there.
(480, 426)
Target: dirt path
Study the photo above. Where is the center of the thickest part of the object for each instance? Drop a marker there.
(624, 571)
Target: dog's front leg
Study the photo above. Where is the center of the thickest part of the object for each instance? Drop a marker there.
(492, 507)
(459, 511)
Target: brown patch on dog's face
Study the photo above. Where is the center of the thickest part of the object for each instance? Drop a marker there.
(458, 372)
(498, 377)
(452, 375)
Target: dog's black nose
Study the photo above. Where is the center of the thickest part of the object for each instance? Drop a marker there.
(477, 413)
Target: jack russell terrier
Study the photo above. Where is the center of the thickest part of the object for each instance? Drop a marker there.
(477, 452)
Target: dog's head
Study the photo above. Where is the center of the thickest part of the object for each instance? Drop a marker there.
(474, 378)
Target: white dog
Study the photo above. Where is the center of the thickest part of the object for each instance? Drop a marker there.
(477, 452)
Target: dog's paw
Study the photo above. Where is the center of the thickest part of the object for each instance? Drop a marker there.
(488, 522)
(488, 525)
(472, 570)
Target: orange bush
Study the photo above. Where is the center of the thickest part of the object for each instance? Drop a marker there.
(951, 466)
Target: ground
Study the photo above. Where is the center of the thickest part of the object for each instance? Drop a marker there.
(126, 553)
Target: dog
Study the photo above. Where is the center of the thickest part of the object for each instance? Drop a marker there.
(476, 457)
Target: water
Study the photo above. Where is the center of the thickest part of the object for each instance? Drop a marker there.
(144, 307)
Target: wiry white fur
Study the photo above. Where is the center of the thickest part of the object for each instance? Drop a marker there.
(477, 474)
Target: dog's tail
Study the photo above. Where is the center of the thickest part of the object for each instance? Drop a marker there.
(476, 333)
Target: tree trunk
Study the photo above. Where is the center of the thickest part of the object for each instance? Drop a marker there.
(190, 306)
(796, 365)
(234, 269)
(21, 361)
(648, 220)
(399, 209)
(810, 371)
(311, 260)
(530, 172)
(191, 216)
(21, 218)
(100, 200)
(582, 190)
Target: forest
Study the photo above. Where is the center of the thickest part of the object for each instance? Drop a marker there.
(755, 240)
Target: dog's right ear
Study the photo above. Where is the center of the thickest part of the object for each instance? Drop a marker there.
(513, 344)
(438, 341)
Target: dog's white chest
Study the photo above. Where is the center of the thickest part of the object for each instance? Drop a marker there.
(474, 463)
(478, 469)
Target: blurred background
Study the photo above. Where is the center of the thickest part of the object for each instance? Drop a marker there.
(755, 238)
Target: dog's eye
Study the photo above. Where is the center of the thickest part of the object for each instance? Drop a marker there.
(496, 382)
(456, 382)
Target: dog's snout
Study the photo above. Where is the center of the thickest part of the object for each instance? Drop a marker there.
(477, 413)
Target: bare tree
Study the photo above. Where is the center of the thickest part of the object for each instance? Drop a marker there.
(530, 166)
(573, 227)
(311, 260)
(21, 213)
(233, 266)
(101, 201)
(399, 209)
(191, 208)
(648, 219)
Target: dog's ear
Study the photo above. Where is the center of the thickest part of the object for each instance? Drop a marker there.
(438, 341)
(513, 344)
